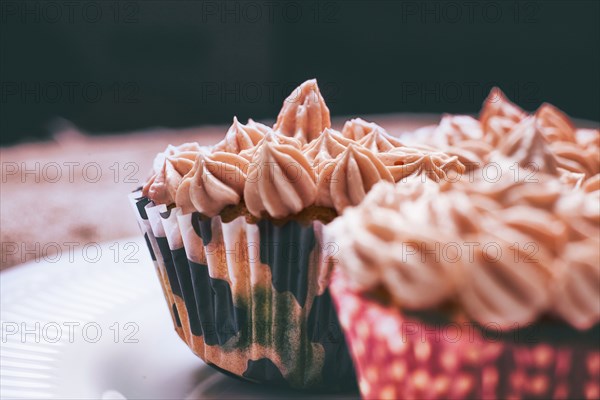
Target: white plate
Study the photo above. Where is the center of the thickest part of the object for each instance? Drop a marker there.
(94, 325)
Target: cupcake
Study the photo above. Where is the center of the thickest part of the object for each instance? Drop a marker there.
(235, 230)
(486, 287)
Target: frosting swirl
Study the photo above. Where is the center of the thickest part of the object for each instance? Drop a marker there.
(506, 251)
(217, 180)
(272, 137)
(554, 124)
(378, 140)
(577, 157)
(403, 162)
(461, 136)
(578, 288)
(592, 184)
(262, 128)
(169, 167)
(240, 137)
(357, 128)
(346, 181)
(326, 147)
(280, 181)
(498, 116)
(526, 145)
(456, 129)
(304, 114)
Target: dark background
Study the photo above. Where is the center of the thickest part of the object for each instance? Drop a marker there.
(115, 66)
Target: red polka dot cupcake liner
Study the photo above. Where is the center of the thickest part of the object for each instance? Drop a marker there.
(397, 355)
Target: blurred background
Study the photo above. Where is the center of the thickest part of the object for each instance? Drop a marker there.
(91, 91)
(115, 66)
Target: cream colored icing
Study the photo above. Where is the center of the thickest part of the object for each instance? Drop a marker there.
(456, 129)
(461, 136)
(304, 114)
(301, 143)
(575, 150)
(346, 181)
(326, 147)
(403, 162)
(217, 180)
(507, 253)
(241, 137)
(570, 153)
(280, 181)
(577, 297)
(378, 140)
(280, 172)
(169, 167)
(554, 124)
(375, 155)
(262, 128)
(526, 145)
(498, 116)
(592, 184)
(273, 137)
(357, 128)
(577, 158)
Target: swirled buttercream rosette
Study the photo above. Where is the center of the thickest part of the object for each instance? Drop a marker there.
(471, 281)
(236, 237)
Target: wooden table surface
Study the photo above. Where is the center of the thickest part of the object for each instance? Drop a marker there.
(65, 195)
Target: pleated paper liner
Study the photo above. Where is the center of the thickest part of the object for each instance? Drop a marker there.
(427, 356)
(250, 298)
(161, 256)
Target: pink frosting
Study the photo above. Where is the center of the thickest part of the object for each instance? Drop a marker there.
(346, 181)
(378, 140)
(265, 163)
(304, 114)
(357, 128)
(498, 116)
(507, 253)
(554, 124)
(217, 180)
(262, 128)
(241, 137)
(526, 145)
(169, 167)
(404, 162)
(461, 136)
(280, 181)
(326, 147)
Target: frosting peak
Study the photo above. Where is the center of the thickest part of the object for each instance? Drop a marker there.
(554, 124)
(357, 128)
(258, 126)
(461, 136)
(346, 181)
(169, 167)
(280, 181)
(498, 116)
(577, 151)
(378, 140)
(455, 129)
(508, 252)
(271, 137)
(403, 162)
(217, 180)
(326, 147)
(304, 114)
(527, 146)
(240, 137)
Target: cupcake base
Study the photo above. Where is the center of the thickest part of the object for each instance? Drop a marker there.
(250, 298)
(397, 355)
